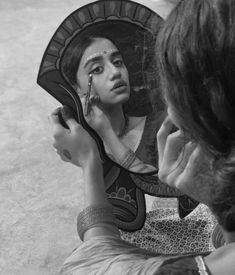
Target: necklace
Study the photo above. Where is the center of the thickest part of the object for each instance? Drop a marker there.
(125, 126)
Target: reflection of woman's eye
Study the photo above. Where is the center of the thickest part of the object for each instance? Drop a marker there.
(97, 70)
(118, 62)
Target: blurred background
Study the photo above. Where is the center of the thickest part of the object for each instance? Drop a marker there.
(40, 196)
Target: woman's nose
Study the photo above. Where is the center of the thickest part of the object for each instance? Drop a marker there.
(114, 72)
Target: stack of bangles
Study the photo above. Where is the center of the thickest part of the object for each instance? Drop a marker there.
(127, 159)
(94, 215)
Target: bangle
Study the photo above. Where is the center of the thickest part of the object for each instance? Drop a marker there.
(128, 159)
(93, 215)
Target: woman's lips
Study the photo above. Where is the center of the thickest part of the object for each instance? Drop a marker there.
(120, 89)
(119, 85)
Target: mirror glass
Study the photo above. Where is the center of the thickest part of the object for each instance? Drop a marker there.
(116, 81)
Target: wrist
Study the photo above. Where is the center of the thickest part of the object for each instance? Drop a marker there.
(93, 171)
(108, 136)
(97, 219)
(91, 161)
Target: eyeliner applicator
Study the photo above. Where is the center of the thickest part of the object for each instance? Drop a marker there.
(88, 95)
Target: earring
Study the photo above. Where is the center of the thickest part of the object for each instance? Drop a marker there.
(97, 99)
(94, 99)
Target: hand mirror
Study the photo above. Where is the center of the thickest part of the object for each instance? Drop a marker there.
(132, 28)
(121, 71)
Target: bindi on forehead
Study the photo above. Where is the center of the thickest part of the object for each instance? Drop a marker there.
(101, 53)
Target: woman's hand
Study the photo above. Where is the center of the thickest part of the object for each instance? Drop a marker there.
(183, 164)
(74, 145)
(96, 117)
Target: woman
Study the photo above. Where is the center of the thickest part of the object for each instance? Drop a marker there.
(196, 55)
(131, 141)
(96, 58)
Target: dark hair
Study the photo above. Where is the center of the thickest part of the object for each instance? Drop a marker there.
(196, 61)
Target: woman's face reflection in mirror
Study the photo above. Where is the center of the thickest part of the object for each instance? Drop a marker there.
(110, 76)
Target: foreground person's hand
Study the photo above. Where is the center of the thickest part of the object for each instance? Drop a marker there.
(74, 145)
(78, 147)
(183, 164)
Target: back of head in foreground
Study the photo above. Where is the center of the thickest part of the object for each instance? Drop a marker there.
(197, 71)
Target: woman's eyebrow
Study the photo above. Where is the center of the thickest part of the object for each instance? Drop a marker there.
(99, 57)
(93, 59)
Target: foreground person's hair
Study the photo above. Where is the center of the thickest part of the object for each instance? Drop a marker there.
(196, 58)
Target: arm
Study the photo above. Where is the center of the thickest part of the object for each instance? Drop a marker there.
(120, 152)
(95, 195)
(123, 155)
(75, 145)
